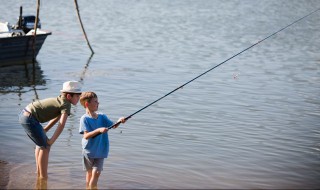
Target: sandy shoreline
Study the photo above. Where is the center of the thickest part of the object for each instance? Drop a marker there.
(4, 174)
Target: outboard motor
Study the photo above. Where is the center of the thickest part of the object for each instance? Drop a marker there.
(26, 23)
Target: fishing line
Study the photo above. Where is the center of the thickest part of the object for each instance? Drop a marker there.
(235, 55)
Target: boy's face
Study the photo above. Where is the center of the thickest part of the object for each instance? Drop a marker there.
(93, 104)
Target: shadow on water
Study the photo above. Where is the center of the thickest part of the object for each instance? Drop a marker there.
(21, 77)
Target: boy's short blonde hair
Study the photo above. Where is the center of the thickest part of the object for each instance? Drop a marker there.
(87, 97)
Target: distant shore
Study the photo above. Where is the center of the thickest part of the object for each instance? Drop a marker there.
(4, 174)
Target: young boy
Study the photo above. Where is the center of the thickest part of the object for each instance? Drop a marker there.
(95, 142)
(53, 110)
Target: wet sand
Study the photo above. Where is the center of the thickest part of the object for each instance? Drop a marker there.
(16, 176)
(23, 176)
(4, 174)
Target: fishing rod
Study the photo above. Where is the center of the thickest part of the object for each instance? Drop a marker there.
(235, 55)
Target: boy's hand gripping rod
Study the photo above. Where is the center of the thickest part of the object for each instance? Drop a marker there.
(128, 117)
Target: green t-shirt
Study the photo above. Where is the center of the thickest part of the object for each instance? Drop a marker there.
(47, 109)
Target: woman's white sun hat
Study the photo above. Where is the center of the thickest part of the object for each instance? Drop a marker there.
(71, 87)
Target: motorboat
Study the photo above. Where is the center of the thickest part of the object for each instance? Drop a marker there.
(18, 42)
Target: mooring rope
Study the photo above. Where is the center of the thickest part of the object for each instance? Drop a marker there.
(235, 55)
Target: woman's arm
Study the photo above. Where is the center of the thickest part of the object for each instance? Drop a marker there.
(51, 123)
(61, 124)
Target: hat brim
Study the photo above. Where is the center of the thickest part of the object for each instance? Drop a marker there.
(73, 92)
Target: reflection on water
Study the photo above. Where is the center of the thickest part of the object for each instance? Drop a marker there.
(19, 77)
(41, 183)
(85, 69)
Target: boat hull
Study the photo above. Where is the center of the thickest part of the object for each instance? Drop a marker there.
(20, 48)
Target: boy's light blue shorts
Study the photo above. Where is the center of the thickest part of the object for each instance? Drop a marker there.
(33, 129)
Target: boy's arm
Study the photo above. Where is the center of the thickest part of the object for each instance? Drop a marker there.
(61, 124)
(51, 123)
(87, 135)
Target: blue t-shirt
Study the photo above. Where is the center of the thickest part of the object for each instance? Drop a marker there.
(98, 146)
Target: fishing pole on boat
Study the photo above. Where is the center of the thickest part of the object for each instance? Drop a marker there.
(207, 71)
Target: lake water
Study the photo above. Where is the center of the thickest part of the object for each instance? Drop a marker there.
(253, 122)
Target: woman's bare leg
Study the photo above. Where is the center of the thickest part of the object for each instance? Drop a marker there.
(43, 161)
(36, 155)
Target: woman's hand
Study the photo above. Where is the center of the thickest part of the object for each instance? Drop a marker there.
(49, 142)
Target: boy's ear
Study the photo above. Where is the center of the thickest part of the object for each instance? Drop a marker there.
(86, 104)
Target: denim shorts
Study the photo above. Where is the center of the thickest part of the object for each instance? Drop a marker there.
(33, 129)
(92, 163)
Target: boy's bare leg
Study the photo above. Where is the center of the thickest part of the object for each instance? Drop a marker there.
(94, 179)
(88, 178)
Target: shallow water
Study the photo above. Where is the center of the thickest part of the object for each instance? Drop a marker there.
(253, 122)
